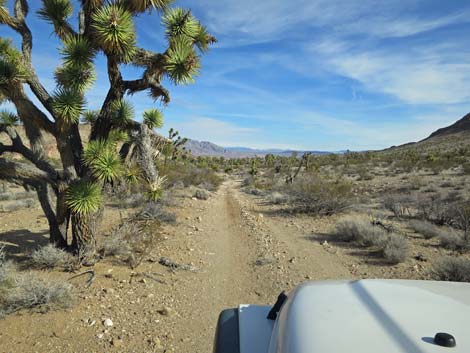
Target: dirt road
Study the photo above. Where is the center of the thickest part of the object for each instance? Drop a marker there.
(250, 258)
(244, 253)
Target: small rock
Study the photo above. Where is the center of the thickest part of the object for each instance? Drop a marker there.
(166, 311)
(100, 335)
(108, 323)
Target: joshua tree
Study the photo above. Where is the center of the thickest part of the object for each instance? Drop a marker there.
(71, 195)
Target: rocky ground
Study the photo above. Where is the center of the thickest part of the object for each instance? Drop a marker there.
(236, 248)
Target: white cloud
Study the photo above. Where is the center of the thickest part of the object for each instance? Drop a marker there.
(427, 76)
(245, 21)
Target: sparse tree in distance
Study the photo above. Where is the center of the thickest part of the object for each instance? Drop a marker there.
(71, 195)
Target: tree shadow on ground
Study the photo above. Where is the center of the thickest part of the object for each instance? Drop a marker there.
(372, 256)
(18, 244)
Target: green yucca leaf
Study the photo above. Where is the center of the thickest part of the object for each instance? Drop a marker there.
(154, 195)
(77, 51)
(143, 5)
(114, 31)
(92, 151)
(107, 166)
(76, 77)
(56, 12)
(181, 62)
(8, 118)
(178, 21)
(11, 74)
(116, 136)
(203, 39)
(153, 118)
(90, 116)
(123, 112)
(68, 104)
(12, 68)
(83, 197)
(103, 160)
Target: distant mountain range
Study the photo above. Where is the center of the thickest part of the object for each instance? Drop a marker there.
(446, 137)
(205, 148)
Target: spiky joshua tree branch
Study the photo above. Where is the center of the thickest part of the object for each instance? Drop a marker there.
(71, 196)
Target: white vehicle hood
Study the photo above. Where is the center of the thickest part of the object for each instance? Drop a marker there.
(386, 316)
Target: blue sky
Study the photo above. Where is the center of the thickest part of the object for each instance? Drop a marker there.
(308, 74)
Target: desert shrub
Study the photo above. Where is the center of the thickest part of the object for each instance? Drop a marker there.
(248, 181)
(201, 194)
(434, 209)
(426, 229)
(6, 196)
(453, 241)
(254, 191)
(50, 256)
(277, 198)
(360, 230)
(25, 290)
(190, 174)
(129, 200)
(364, 173)
(132, 240)
(466, 168)
(155, 211)
(399, 205)
(446, 184)
(17, 205)
(396, 249)
(452, 269)
(319, 195)
(116, 243)
(416, 182)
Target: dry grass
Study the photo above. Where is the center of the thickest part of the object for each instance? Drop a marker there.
(50, 256)
(25, 290)
(155, 211)
(426, 229)
(361, 230)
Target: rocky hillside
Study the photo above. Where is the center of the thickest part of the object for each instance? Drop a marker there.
(459, 127)
(451, 137)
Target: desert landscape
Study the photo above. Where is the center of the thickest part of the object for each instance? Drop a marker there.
(232, 231)
(161, 161)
